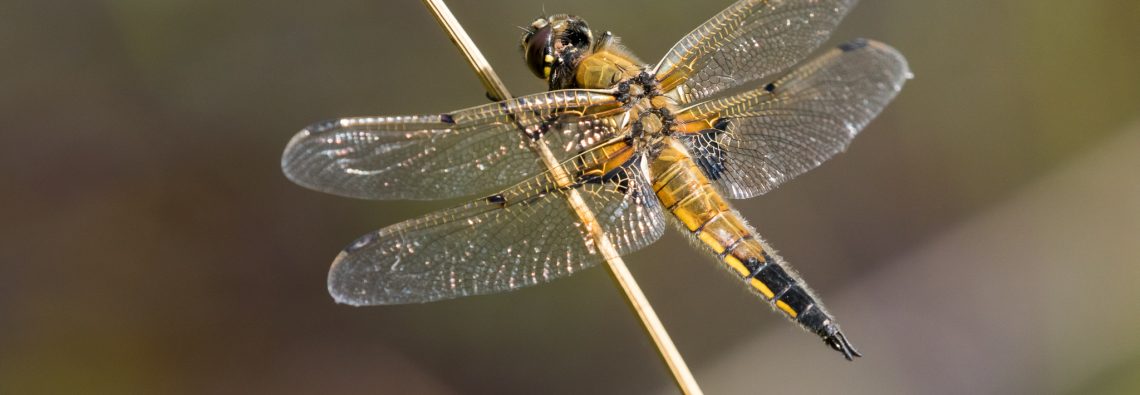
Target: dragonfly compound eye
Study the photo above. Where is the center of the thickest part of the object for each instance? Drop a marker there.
(538, 47)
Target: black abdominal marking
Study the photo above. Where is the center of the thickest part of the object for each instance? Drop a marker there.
(777, 280)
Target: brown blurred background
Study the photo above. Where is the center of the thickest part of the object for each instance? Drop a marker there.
(979, 237)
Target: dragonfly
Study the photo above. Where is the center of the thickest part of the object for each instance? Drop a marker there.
(730, 112)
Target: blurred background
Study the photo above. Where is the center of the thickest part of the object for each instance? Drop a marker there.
(979, 237)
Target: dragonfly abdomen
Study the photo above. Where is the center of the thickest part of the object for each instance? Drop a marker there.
(686, 193)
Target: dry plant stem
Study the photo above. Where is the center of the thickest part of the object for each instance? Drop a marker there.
(618, 270)
(491, 82)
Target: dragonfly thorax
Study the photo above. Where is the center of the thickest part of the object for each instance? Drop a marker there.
(651, 114)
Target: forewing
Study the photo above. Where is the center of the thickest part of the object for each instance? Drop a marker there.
(750, 40)
(462, 153)
(773, 134)
(524, 235)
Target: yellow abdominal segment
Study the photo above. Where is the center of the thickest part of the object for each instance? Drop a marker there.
(764, 290)
(786, 308)
(687, 193)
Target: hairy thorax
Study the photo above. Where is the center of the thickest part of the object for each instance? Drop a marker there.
(650, 113)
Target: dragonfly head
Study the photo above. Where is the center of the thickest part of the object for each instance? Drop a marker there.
(555, 41)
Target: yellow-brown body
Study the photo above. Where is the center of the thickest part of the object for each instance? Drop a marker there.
(657, 128)
(690, 197)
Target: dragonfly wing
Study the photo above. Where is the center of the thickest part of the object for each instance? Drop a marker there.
(466, 152)
(524, 235)
(767, 136)
(750, 40)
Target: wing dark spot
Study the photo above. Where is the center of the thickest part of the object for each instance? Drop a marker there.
(722, 124)
(496, 199)
(708, 153)
(623, 185)
(619, 176)
(853, 45)
(447, 118)
(770, 87)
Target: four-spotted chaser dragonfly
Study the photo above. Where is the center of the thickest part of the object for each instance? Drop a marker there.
(707, 123)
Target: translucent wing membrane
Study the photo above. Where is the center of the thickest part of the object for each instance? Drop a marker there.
(463, 153)
(772, 134)
(524, 235)
(749, 40)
